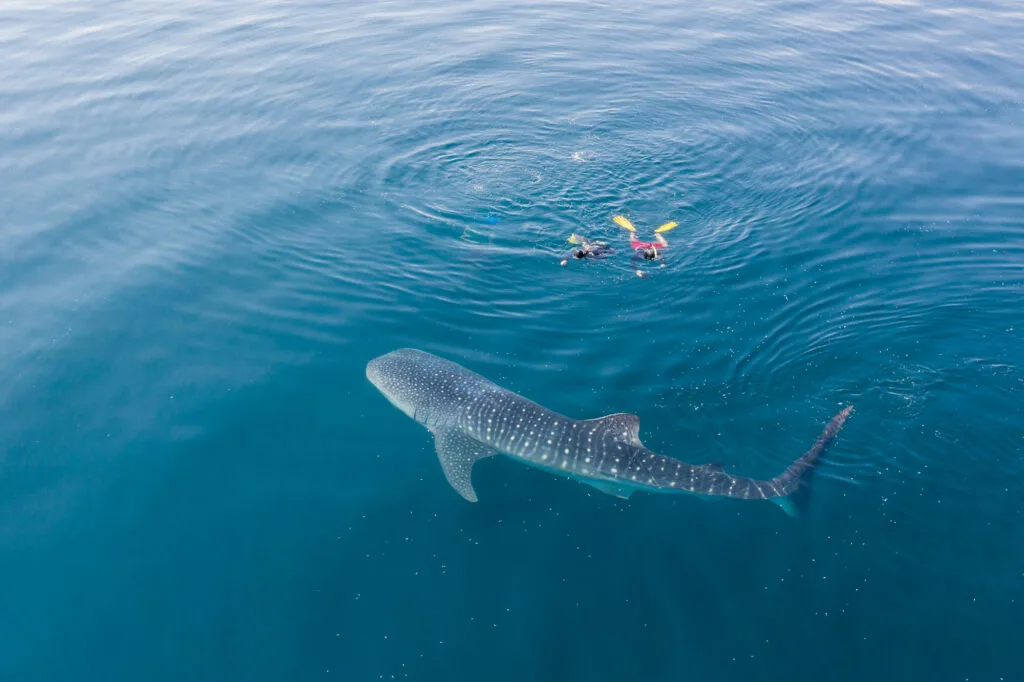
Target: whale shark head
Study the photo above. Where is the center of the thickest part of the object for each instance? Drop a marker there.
(400, 377)
(423, 386)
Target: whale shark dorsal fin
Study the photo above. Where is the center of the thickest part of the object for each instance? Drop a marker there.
(624, 425)
(457, 453)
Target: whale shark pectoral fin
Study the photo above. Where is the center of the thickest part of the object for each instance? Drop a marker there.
(786, 505)
(612, 489)
(624, 425)
(457, 453)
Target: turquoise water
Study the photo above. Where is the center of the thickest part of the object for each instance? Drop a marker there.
(214, 214)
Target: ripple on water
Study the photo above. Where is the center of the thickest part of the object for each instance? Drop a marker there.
(289, 200)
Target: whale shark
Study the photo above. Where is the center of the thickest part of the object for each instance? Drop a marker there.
(473, 418)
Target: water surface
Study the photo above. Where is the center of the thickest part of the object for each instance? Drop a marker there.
(215, 214)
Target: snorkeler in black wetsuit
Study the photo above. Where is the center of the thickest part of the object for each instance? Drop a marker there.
(587, 249)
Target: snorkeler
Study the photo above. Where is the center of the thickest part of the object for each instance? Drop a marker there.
(587, 249)
(647, 250)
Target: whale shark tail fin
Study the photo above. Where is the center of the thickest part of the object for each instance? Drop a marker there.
(794, 484)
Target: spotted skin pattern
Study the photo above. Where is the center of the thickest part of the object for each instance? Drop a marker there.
(472, 418)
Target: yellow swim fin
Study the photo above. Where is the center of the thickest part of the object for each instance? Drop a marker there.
(622, 222)
(667, 226)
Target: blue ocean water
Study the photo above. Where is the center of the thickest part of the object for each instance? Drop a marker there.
(214, 214)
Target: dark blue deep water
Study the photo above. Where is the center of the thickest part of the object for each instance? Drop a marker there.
(212, 215)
